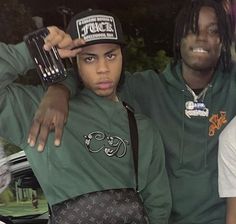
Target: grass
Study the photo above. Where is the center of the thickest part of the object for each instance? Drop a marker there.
(23, 208)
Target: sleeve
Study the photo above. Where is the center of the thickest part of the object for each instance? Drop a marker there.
(127, 91)
(18, 103)
(19, 61)
(156, 194)
(14, 60)
(17, 57)
(136, 89)
(71, 82)
(227, 161)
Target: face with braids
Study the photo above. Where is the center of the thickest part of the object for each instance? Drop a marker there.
(202, 38)
(201, 51)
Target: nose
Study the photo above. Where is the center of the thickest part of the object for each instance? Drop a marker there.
(102, 66)
(202, 35)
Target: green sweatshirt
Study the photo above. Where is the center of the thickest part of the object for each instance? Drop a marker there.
(95, 153)
(190, 136)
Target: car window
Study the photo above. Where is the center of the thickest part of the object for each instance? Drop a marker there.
(20, 199)
(23, 197)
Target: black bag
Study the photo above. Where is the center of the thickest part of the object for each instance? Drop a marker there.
(114, 206)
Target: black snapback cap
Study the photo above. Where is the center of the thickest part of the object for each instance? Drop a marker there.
(96, 26)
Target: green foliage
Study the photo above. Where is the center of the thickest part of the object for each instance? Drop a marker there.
(161, 60)
(6, 196)
(9, 148)
(40, 194)
(16, 21)
(137, 58)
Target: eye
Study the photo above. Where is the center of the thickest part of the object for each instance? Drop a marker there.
(89, 59)
(111, 56)
(213, 30)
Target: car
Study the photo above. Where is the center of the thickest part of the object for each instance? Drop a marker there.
(23, 201)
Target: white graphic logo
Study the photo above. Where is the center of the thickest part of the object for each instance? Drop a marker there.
(196, 109)
(96, 27)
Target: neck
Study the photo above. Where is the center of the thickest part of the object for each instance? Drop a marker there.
(197, 79)
(116, 99)
(113, 98)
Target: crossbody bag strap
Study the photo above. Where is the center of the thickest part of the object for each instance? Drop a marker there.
(134, 139)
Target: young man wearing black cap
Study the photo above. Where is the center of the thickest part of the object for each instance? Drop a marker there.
(96, 151)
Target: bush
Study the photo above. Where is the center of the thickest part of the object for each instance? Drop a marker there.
(6, 196)
(137, 59)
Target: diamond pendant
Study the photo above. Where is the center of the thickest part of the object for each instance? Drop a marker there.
(195, 109)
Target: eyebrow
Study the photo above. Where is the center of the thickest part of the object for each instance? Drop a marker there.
(213, 23)
(87, 54)
(91, 54)
(112, 50)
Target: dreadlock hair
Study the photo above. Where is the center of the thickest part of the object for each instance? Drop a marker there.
(187, 20)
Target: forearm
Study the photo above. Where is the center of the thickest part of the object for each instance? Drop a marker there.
(12, 63)
(17, 57)
(156, 195)
(157, 199)
(231, 211)
(126, 90)
(14, 98)
(58, 89)
(17, 106)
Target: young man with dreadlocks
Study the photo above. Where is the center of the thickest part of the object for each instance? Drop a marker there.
(192, 101)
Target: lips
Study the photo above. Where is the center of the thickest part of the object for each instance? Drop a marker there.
(105, 85)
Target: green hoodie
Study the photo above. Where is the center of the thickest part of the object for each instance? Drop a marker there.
(191, 142)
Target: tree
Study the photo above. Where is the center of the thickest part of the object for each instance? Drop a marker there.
(8, 147)
(137, 58)
(16, 21)
(6, 196)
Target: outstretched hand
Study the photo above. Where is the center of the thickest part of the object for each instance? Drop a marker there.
(51, 115)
